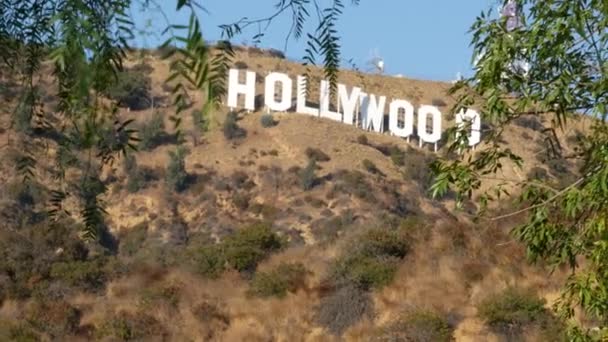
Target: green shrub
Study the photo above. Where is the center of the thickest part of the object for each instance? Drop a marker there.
(371, 259)
(177, 177)
(87, 275)
(135, 178)
(200, 121)
(132, 90)
(367, 271)
(511, 310)
(210, 261)
(418, 326)
(307, 175)
(267, 121)
(397, 156)
(317, 155)
(231, 129)
(152, 133)
(277, 282)
(247, 247)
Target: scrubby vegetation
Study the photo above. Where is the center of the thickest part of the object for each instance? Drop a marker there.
(317, 155)
(267, 120)
(152, 132)
(278, 281)
(514, 310)
(418, 326)
(371, 259)
(231, 128)
(241, 251)
(307, 175)
(132, 89)
(177, 177)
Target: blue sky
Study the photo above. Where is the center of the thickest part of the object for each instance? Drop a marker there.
(425, 39)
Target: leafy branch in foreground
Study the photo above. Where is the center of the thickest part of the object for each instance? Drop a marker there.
(324, 40)
(567, 82)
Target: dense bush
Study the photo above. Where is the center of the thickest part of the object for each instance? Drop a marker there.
(152, 133)
(135, 178)
(344, 307)
(132, 90)
(418, 326)
(278, 281)
(177, 177)
(511, 310)
(242, 250)
(307, 175)
(371, 258)
(231, 129)
(247, 247)
(316, 155)
(267, 120)
(210, 261)
(88, 275)
(47, 260)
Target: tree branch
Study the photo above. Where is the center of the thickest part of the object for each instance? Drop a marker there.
(551, 199)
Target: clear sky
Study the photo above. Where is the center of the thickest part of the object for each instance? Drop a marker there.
(425, 39)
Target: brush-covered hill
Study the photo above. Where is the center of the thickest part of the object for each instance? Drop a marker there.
(293, 228)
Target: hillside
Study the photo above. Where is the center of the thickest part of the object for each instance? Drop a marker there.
(263, 245)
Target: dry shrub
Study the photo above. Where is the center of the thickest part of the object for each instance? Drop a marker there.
(56, 318)
(418, 326)
(131, 326)
(354, 183)
(343, 308)
(213, 317)
(316, 155)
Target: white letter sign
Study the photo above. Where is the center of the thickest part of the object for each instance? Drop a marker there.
(408, 118)
(423, 133)
(235, 88)
(270, 86)
(301, 107)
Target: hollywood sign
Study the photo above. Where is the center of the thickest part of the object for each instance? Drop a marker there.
(354, 107)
